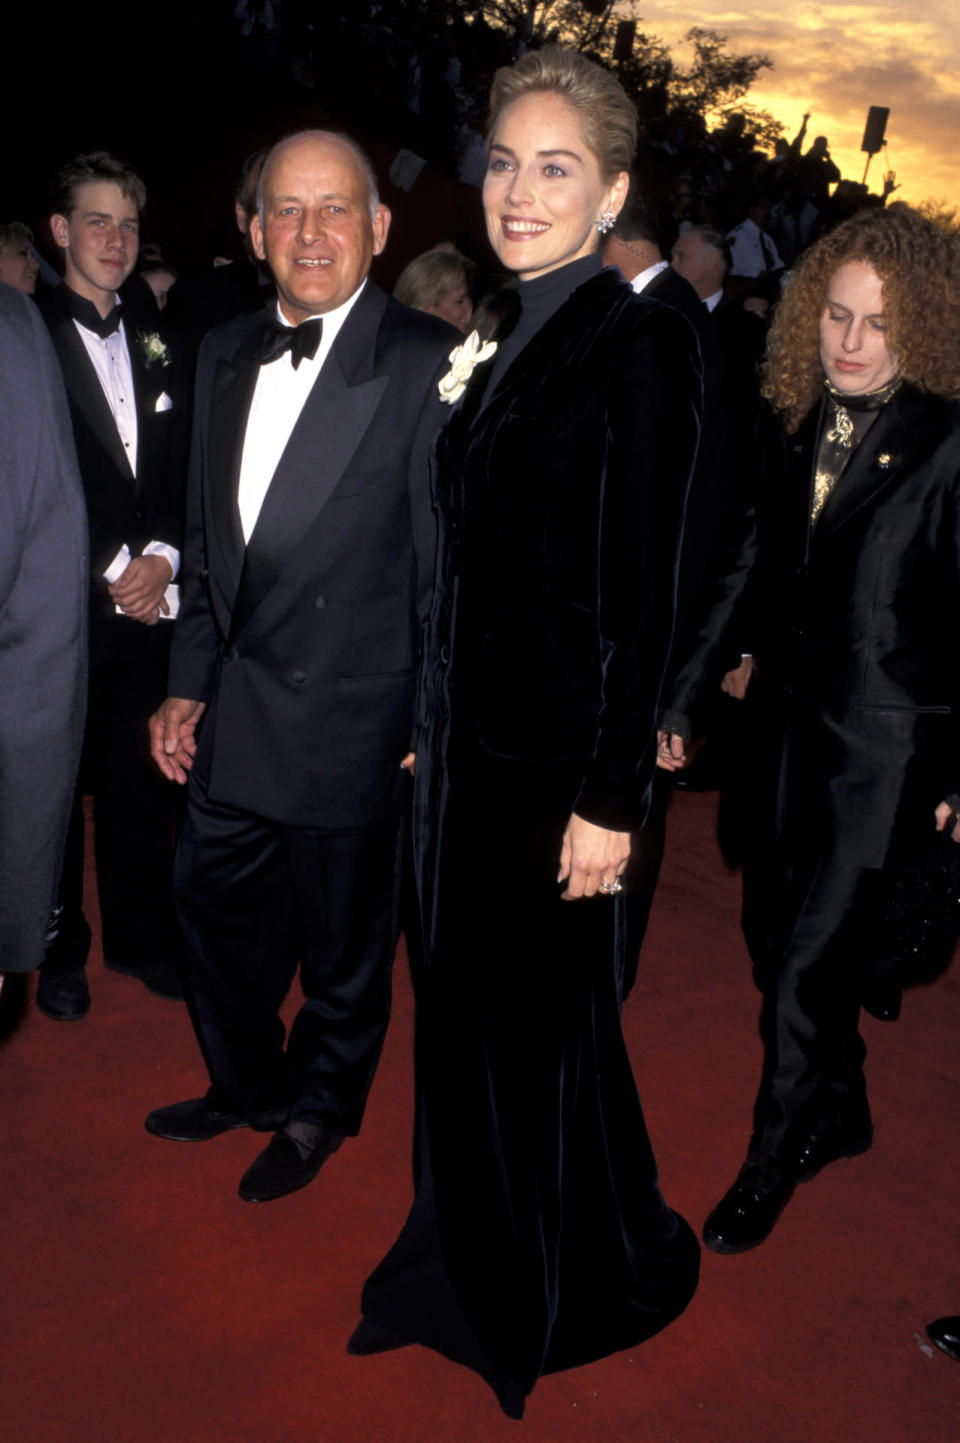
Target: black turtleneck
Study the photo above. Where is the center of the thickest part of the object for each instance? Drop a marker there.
(539, 299)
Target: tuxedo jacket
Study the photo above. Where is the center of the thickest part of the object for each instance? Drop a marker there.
(43, 633)
(561, 497)
(305, 642)
(853, 626)
(123, 508)
(718, 495)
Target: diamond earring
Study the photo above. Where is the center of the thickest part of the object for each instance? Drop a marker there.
(606, 222)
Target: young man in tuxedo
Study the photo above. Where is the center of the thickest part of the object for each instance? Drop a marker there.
(307, 570)
(128, 424)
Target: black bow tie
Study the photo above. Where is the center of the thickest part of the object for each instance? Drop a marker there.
(89, 317)
(300, 341)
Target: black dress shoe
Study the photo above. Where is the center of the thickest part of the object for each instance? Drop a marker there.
(882, 1000)
(63, 994)
(945, 1332)
(369, 1338)
(746, 1215)
(198, 1120)
(160, 978)
(830, 1144)
(288, 1163)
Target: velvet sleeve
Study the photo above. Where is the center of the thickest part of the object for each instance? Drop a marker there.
(654, 400)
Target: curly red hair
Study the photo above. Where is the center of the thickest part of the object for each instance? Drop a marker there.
(918, 261)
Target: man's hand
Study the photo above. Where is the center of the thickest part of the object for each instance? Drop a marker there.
(735, 682)
(409, 763)
(139, 591)
(590, 855)
(943, 814)
(173, 743)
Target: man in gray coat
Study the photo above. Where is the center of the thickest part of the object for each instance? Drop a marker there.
(43, 629)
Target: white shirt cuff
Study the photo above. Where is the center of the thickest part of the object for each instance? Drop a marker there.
(160, 548)
(118, 565)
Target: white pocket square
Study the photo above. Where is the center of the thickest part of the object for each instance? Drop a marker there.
(164, 402)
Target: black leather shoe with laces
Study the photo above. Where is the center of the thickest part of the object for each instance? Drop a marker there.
(746, 1215)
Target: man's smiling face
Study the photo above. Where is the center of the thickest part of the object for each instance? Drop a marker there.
(316, 232)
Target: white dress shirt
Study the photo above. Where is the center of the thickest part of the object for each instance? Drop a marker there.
(110, 359)
(713, 301)
(752, 250)
(643, 278)
(278, 398)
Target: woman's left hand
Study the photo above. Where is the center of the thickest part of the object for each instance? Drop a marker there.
(943, 814)
(591, 856)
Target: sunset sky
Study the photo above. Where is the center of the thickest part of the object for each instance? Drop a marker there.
(837, 59)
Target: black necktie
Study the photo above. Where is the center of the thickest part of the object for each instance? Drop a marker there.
(300, 341)
(89, 317)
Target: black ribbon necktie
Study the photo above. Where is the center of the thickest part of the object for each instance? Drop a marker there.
(89, 317)
(300, 341)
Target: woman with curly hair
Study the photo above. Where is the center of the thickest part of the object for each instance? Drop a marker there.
(850, 611)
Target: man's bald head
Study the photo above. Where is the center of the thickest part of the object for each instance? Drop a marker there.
(319, 222)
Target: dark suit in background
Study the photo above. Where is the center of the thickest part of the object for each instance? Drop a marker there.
(134, 809)
(43, 640)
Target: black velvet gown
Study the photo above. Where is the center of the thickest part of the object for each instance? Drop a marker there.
(538, 1238)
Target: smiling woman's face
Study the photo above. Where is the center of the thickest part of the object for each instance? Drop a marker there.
(853, 343)
(19, 267)
(544, 193)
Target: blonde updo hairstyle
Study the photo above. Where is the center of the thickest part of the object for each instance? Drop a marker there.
(608, 116)
(431, 277)
(918, 262)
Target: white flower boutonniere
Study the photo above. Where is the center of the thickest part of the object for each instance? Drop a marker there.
(462, 361)
(154, 350)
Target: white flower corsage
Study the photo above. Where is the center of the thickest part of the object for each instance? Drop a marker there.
(154, 350)
(462, 361)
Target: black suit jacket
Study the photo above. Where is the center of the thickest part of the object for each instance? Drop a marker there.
(718, 497)
(120, 507)
(853, 626)
(305, 643)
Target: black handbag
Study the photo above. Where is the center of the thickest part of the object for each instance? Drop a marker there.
(921, 916)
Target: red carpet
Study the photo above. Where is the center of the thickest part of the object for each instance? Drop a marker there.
(145, 1303)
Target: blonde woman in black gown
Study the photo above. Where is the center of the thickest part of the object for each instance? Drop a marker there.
(539, 1238)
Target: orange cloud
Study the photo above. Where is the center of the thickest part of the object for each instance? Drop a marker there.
(836, 59)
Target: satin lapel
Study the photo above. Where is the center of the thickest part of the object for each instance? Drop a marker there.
(899, 432)
(333, 422)
(87, 394)
(797, 501)
(141, 383)
(233, 385)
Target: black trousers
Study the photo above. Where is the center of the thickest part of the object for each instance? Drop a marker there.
(807, 930)
(254, 898)
(135, 812)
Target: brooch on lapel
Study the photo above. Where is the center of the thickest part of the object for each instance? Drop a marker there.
(154, 350)
(884, 460)
(462, 360)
